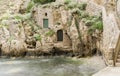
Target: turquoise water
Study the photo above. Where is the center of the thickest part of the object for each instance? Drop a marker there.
(49, 66)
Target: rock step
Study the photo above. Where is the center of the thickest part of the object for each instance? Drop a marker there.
(118, 56)
(118, 60)
(118, 64)
(108, 71)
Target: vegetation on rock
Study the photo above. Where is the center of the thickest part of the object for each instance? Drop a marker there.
(67, 1)
(43, 1)
(32, 31)
(50, 33)
(29, 7)
(94, 22)
(37, 37)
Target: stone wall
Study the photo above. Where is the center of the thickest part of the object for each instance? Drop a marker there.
(44, 14)
(57, 21)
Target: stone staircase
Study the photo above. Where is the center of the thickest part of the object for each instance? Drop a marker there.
(118, 60)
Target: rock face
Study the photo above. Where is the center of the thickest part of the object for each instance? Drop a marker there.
(48, 29)
(12, 39)
(14, 48)
(112, 35)
(93, 8)
(118, 7)
(63, 25)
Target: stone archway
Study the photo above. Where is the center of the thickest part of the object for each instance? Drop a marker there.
(60, 35)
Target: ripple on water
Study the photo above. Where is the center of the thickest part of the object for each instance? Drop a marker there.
(56, 66)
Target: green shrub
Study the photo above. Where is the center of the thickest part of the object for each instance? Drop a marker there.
(91, 30)
(94, 22)
(82, 6)
(6, 16)
(88, 22)
(23, 17)
(98, 25)
(18, 17)
(84, 20)
(29, 7)
(83, 14)
(58, 23)
(72, 5)
(10, 38)
(1, 25)
(56, 5)
(4, 23)
(50, 33)
(38, 37)
(67, 1)
(75, 11)
(43, 1)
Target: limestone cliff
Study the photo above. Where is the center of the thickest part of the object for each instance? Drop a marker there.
(69, 27)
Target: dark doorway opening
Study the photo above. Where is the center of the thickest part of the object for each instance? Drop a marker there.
(60, 35)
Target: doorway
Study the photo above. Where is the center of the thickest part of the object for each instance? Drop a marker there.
(60, 35)
(45, 23)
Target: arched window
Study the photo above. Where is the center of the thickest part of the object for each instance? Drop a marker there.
(45, 14)
(60, 35)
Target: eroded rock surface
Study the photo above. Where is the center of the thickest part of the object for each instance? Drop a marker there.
(23, 32)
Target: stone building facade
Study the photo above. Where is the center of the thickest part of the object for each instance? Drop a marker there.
(45, 18)
(51, 19)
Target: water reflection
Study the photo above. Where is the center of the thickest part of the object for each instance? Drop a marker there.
(53, 66)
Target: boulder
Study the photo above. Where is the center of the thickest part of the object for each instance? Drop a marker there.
(14, 48)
